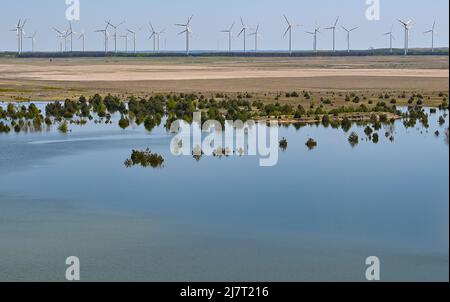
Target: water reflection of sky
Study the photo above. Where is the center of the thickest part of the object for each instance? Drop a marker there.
(314, 216)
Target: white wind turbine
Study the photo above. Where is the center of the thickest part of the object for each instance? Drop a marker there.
(256, 34)
(333, 28)
(244, 31)
(391, 38)
(32, 39)
(19, 33)
(105, 35)
(162, 32)
(289, 28)
(156, 36)
(314, 34)
(134, 38)
(230, 36)
(115, 27)
(432, 32)
(125, 38)
(63, 38)
(60, 37)
(82, 37)
(69, 33)
(187, 30)
(348, 36)
(407, 26)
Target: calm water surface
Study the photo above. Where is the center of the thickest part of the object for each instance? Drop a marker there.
(316, 216)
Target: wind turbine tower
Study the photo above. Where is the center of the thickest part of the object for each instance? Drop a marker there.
(432, 32)
(333, 28)
(256, 34)
(391, 37)
(229, 31)
(105, 35)
(187, 30)
(115, 27)
(349, 31)
(407, 26)
(19, 33)
(288, 30)
(32, 39)
(244, 31)
(134, 39)
(314, 34)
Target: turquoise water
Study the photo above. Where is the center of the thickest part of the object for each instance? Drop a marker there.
(316, 216)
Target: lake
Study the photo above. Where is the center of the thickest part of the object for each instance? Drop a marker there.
(315, 216)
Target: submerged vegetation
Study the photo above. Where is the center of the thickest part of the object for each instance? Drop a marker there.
(311, 144)
(144, 159)
(150, 112)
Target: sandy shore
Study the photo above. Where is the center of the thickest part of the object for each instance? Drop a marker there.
(60, 78)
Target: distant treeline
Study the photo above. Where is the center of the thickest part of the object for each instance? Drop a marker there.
(93, 54)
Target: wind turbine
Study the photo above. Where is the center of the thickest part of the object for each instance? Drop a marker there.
(348, 36)
(82, 36)
(391, 37)
(19, 32)
(134, 39)
(69, 33)
(407, 26)
(431, 31)
(289, 30)
(230, 36)
(187, 30)
(333, 28)
(115, 27)
(60, 37)
(63, 37)
(32, 38)
(256, 34)
(105, 34)
(125, 37)
(244, 31)
(153, 34)
(314, 34)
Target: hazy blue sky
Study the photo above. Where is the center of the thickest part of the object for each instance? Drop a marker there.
(210, 16)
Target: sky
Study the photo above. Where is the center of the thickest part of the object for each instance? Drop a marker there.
(211, 16)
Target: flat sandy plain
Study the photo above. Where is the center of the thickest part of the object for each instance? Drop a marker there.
(45, 79)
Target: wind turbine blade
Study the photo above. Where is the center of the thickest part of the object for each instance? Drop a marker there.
(189, 20)
(242, 22)
(287, 30)
(355, 28)
(24, 22)
(404, 23)
(335, 23)
(287, 21)
(345, 28)
(184, 31)
(231, 27)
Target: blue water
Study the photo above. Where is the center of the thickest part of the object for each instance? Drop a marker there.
(316, 216)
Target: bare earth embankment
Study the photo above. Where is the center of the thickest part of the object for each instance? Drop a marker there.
(43, 79)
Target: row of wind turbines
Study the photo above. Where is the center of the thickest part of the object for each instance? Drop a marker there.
(111, 31)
